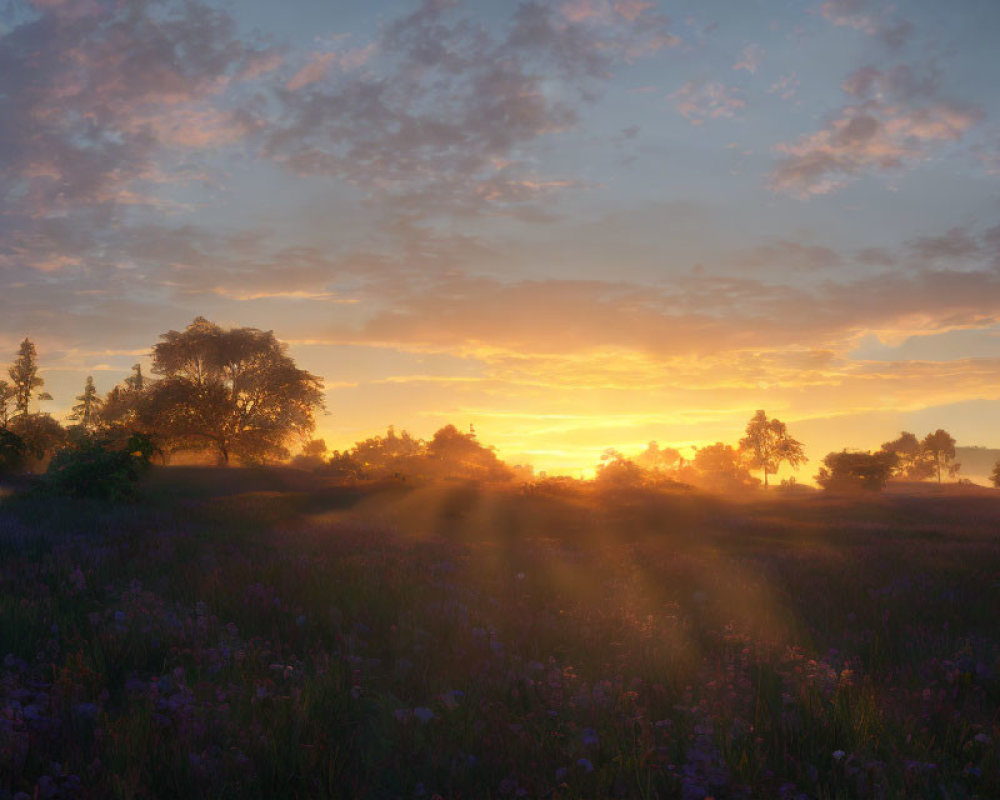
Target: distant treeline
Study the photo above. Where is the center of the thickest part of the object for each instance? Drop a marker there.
(236, 394)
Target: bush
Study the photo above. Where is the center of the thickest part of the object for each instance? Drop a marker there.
(99, 470)
(13, 452)
(847, 471)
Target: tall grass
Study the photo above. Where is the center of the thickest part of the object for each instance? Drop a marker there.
(311, 641)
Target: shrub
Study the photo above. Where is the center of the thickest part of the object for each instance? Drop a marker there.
(99, 470)
(847, 470)
(13, 452)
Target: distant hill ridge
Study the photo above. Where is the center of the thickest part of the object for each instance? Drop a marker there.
(976, 460)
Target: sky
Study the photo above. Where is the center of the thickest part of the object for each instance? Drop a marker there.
(574, 224)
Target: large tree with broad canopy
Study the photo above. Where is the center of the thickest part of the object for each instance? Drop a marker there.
(235, 391)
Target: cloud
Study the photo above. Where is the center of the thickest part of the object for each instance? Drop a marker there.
(697, 101)
(786, 86)
(895, 120)
(862, 16)
(439, 120)
(750, 59)
(785, 254)
(955, 245)
(95, 92)
(876, 256)
(319, 64)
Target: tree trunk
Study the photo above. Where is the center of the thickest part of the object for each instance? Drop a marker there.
(765, 477)
(223, 455)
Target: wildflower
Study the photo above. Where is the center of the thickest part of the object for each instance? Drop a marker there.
(590, 738)
(425, 715)
(838, 754)
(585, 763)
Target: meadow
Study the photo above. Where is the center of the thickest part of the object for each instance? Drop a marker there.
(266, 633)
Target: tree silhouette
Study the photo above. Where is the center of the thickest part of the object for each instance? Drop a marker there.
(940, 447)
(136, 382)
(236, 391)
(618, 472)
(24, 374)
(663, 459)
(767, 443)
(854, 470)
(911, 460)
(7, 394)
(385, 456)
(721, 466)
(87, 410)
(995, 476)
(451, 453)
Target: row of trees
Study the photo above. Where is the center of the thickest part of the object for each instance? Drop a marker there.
(904, 458)
(237, 393)
(232, 392)
(450, 453)
(765, 447)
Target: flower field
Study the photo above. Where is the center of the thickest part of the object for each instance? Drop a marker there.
(245, 636)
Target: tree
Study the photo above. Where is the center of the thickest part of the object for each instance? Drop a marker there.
(618, 472)
(312, 455)
(127, 403)
(995, 477)
(385, 456)
(659, 458)
(42, 435)
(7, 394)
(768, 444)
(940, 448)
(13, 452)
(136, 382)
(314, 448)
(87, 410)
(24, 373)
(911, 460)
(451, 453)
(856, 470)
(236, 391)
(721, 466)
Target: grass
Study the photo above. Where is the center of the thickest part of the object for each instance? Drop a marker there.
(262, 634)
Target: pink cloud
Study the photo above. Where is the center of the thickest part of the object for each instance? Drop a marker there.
(632, 9)
(849, 14)
(698, 102)
(897, 118)
(259, 64)
(785, 87)
(312, 72)
(750, 58)
(861, 16)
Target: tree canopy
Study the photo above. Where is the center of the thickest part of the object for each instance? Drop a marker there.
(940, 447)
(24, 376)
(768, 444)
(234, 391)
(911, 460)
(88, 406)
(855, 470)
